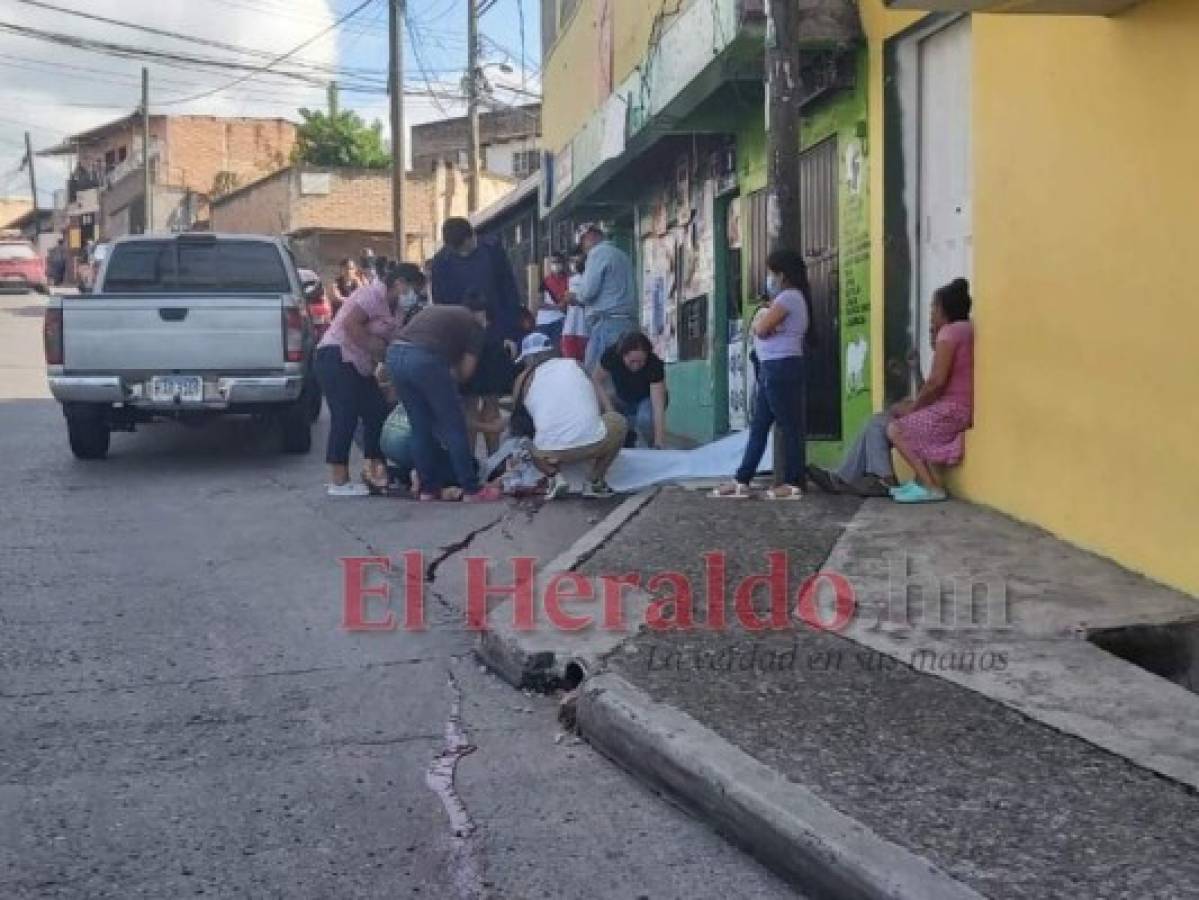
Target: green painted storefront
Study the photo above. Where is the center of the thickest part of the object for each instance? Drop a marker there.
(699, 387)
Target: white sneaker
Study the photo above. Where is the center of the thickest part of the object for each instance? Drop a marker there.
(558, 487)
(349, 489)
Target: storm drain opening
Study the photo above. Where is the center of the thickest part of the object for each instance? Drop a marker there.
(1168, 651)
(573, 675)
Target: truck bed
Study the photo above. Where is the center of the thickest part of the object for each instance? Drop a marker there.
(138, 333)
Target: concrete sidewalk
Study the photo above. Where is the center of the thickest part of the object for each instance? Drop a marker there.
(900, 758)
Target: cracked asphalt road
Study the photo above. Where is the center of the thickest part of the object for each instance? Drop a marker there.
(183, 715)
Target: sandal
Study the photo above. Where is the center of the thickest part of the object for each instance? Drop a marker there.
(487, 494)
(784, 492)
(445, 495)
(734, 491)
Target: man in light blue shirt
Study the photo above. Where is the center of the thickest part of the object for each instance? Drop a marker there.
(608, 294)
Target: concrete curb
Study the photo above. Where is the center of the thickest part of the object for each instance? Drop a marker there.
(545, 657)
(786, 826)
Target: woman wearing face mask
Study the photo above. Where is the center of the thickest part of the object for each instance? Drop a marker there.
(551, 316)
(779, 332)
(412, 300)
(348, 281)
(345, 364)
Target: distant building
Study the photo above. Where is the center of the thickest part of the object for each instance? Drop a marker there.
(13, 208)
(192, 159)
(510, 140)
(332, 213)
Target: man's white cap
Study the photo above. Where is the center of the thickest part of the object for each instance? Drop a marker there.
(532, 345)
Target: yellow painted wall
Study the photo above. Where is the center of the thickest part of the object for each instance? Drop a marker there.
(570, 75)
(1086, 204)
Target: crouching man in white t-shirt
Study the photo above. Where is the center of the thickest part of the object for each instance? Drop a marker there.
(564, 406)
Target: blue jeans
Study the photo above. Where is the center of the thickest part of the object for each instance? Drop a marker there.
(352, 397)
(398, 453)
(640, 417)
(781, 398)
(430, 395)
(553, 331)
(604, 333)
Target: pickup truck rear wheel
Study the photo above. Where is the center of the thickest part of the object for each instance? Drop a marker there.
(89, 432)
(295, 426)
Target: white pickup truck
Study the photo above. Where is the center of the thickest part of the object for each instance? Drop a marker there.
(184, 327)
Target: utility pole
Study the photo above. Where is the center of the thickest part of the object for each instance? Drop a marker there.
(472, 100)
(784, 96)
(37, 219)
(146, 186)
(397, 11)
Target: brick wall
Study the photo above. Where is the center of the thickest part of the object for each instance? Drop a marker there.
(352, 200)
(261, 208)
(356, 198)
(436, 141)
(198, 148)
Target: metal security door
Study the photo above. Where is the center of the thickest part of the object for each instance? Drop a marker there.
(818, 169)
(946, 223)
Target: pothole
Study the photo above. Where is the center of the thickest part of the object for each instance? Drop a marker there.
(1169, 651)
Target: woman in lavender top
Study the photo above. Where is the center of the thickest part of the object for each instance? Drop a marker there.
(779, 332)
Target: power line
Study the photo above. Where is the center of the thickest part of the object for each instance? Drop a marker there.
(175, 35)
(282, 57)
(168, 58)
(179, 58)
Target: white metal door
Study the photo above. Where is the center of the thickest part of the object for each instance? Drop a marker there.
(946, 222)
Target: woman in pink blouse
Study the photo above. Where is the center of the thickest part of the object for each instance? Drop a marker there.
(346, 359)
(931, 430)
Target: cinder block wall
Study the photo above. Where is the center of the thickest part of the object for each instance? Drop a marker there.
(262, 208)
(200, 147)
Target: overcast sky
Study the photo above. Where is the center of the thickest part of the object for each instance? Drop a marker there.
(53, 90)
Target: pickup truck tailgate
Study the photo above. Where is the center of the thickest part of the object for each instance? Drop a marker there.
(115, 333)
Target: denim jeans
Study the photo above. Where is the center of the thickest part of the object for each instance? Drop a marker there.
(397, 450)
(640, 417)
(352, 397)
(553, 331)
(781, 398)
(430, 395)
(604, 333)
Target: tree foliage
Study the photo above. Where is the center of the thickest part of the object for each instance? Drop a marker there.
(340, 138)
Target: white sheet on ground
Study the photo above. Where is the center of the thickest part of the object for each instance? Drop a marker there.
(638, 468)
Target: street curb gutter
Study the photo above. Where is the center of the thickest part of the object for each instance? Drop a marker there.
(546, 657)
(786, 826)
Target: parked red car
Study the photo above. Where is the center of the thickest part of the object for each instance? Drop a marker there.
(319, 308)
(21, 267)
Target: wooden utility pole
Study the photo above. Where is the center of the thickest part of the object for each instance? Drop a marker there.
(784, 96)
(397, 12)
(37, 219)
(473, 74)
(147, 188)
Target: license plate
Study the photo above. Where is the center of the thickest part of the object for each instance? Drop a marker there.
(177, 388)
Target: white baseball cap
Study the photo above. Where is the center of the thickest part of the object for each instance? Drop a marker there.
(533, 344)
